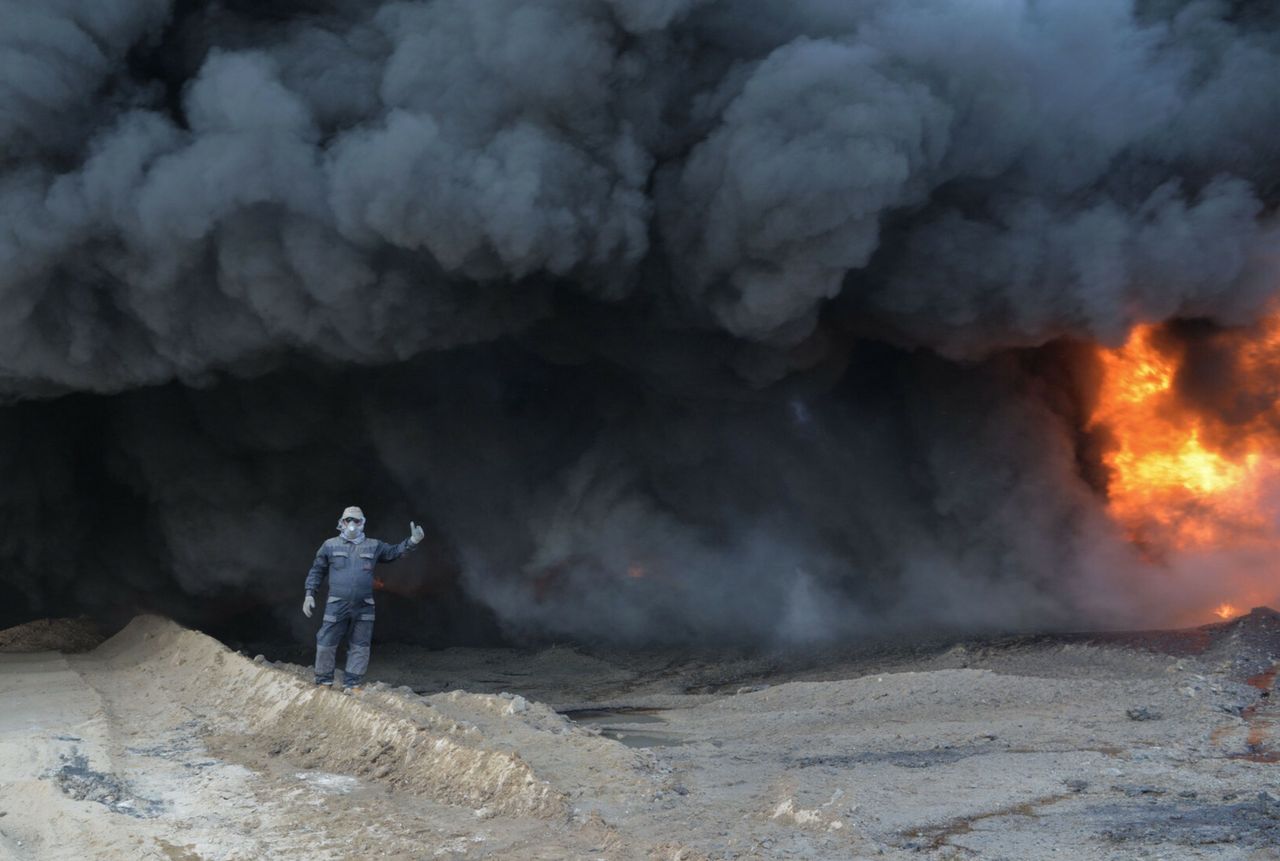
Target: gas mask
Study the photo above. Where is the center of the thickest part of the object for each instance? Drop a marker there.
(351, 524)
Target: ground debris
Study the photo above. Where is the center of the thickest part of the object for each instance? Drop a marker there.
(76, 779)
(1134, 790)
(901, 758)
(52, 635)
(1250, 823)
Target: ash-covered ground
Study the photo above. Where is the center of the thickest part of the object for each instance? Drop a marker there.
(164, 743)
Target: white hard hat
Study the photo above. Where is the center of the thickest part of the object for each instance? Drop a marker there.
(351, 511)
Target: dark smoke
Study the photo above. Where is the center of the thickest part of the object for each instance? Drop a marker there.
(677, 320)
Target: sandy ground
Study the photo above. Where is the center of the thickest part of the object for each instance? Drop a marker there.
(162, 743)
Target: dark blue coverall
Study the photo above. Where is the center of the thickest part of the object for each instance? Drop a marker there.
(349, 566)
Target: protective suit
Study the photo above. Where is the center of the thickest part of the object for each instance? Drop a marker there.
(348, 561)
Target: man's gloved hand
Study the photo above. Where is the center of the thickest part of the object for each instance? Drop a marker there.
(308, 605)
(415, 533)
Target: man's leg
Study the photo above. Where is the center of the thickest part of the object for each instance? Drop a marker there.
(337, 617)
(358, 649)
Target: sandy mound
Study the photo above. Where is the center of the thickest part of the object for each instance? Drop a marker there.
(373, 736)
(51, 635)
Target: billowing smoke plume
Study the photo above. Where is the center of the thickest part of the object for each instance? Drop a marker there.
(678, 320)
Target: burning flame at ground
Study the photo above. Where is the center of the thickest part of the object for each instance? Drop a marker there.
(1167, 487)
(1184, 478)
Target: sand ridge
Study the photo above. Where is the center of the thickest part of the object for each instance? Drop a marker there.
(372, 736)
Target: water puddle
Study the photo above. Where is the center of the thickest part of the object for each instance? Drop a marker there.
(634, 727)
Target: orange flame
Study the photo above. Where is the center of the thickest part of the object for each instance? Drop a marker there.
(1166, 486)
(1181, 478)
(1225, 611)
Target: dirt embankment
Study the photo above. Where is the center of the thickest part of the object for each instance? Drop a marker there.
(162, 740)
(51, 635)
(372, 736)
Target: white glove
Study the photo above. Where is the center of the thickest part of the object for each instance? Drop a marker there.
(415, 533)
(308, 605)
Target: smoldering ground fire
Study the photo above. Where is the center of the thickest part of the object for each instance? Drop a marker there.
(807, 309)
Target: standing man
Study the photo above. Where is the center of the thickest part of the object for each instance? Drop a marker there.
(348, 561)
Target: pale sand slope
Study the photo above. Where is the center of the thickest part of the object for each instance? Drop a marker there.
(150, 729)
(164, 744)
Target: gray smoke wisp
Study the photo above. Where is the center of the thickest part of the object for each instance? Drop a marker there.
(605, 290)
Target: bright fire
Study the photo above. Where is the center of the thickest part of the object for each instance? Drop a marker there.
(1183, 478)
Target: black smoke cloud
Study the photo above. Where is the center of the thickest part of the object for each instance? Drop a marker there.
(675, 320)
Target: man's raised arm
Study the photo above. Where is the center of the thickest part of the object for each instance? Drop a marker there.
(391, 552)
